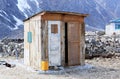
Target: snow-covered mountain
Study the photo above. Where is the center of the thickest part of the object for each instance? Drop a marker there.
(12, 12)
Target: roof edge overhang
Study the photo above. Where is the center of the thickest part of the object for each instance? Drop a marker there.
(59, 12)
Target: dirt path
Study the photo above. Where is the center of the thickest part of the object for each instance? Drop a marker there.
(102, 69)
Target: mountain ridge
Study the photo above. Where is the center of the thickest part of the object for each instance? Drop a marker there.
(13, 12)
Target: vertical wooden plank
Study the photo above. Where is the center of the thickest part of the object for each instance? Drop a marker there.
(43, 40)
(46, 40)
(32, 45)
(73, 43)
(37, 48)
(35, 59)
(26, 44)
(82, 44)
(39, 57)
(62, 29)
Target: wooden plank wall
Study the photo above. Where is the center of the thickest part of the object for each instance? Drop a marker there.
(26, 44)
(35, 46)
(38, 50)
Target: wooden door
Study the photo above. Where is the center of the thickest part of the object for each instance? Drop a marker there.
(73, 43)
(54, 43)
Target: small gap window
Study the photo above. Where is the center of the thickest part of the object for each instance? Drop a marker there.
(54, 28)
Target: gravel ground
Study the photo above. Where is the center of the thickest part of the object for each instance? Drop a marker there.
(102, 68)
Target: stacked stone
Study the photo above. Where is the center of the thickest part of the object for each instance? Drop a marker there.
(12, 49)
(105, 48)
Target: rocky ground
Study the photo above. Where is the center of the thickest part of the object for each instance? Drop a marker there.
(12, 47)
(98, 68)
(102, 46)
(103, 61)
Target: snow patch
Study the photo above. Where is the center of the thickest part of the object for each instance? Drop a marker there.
(5, 17)
(25, 15)
(22, 5)
(18, 22)
(98, 9)
(37, 3)
(2, 11)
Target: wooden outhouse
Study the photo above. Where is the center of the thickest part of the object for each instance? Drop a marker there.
(57, 37)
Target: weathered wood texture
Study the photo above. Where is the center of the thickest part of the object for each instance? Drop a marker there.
(62, 29)
(33, 50)
(64, 18)
(82, 43)
(44, 38)
(73, 43)
(37, 51)
(26, 44)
